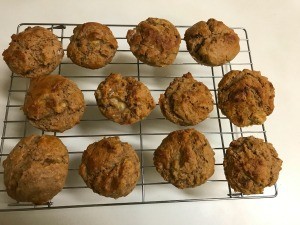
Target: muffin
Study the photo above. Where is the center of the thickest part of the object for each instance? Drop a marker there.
(186, 102)
(92, 45)
(34, 52)
(154, 42)
(36, 169)
(53, 103)
(246, 97)
(110, 167)
(250, 165)
(124, 100)
(212, 43)
(185, 158)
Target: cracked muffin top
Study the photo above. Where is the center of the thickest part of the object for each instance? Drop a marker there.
(124, 100)
(212, 43)
(34, 52)
(92, 45)
(185, 158)
(246, 97)
(154, 41)
(53, 103)
(250, 165)
(110, 167)
(186, 101)
(36, 169)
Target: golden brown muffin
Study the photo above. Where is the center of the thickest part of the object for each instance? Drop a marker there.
(92, 45)
(246, 97)
(250, 165)
(154, 42)
(212, 43)
(185, 158)
(36, 169)
(124, 100)
(186, 102)
(34, 52)
(53, 103)
(110, 167)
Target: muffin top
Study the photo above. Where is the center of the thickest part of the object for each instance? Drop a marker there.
(34, 52)
(154, 41)
(212, 43)
(110, 167)
(250, 165)
(92, 45)
(246, 97)
(36, 169)
(185, 158)
(124, 100)
(186, 101)
(53, 103)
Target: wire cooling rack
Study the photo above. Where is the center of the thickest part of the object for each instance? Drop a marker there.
(145, 136)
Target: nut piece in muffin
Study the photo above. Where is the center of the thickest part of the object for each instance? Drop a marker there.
(185, 158)
(250, 165)
(34, 52)
(36, 169)
(53, 103)
(110, 167)
(92, 45)
(124, 100)
(246, 97)
(186, 102)
(212, 43)
(154, 42)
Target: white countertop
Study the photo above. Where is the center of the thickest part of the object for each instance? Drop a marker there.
(273, 28)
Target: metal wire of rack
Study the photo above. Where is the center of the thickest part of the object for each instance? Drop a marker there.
(145, 136)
